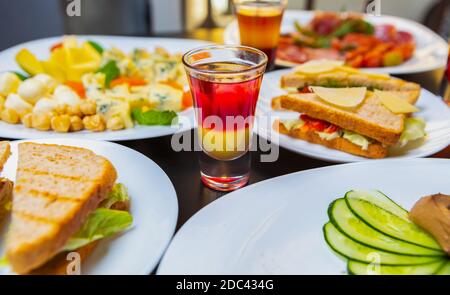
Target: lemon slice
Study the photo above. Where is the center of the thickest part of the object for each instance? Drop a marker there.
(343, 97)
(394, 103)
(318, 66)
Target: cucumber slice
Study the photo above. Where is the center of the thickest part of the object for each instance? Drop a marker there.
(358, 268)
(344, 219)
(381, 200)
(445, 269)
(359, 252)
(386, 217)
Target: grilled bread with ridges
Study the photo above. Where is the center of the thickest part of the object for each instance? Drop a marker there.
(56, 188)
(373, 151)
(370, 118)
(5, 152)
(5, 184)
(342, 79)
(60, 264)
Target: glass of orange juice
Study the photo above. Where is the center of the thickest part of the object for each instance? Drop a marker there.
(259, 24)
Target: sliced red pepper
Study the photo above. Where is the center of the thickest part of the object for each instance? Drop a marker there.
(315, 124)
(77, 87)
(187, 100)
(173, 84)
(318, 125)
(332, 129)
(131, 81)
(56, 46)
(305, 90)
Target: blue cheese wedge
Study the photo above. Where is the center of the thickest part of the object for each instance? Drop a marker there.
(166, 97)
(109, 108)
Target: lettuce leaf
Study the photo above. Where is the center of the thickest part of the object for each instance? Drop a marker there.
(100, 224)
(119, 193)
(96, 46)
(103, 222)
(329, 136)
(154, 117)
(414, 129)
(111, 71)
(357, 139)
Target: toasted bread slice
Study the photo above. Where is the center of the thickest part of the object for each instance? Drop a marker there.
(5, 184)
(6, 188)
(409, 96)
(344, 79)
(374, 150)
(61, 263)
(5, 152)
(56, 188)
(370, 118)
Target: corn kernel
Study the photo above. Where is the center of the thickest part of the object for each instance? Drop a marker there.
(115, 123)
(61, 123)
(74, 110)
(61, 109)
(23, 114)
(10, 116)
(41, 121)
(76, 124)
(27, 120)
(88, 108)
(94, 123)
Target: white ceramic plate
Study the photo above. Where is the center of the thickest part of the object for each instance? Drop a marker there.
(41, 49)
(275, 226)
(153, 205)
(432, 109)
(431, 50)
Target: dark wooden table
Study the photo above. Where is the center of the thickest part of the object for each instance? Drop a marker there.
(183, 170)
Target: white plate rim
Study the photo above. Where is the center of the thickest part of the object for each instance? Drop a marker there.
(76, 142)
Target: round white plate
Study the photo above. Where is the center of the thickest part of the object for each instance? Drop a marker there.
(154, 208)
(431, 50)
(41, 48)
(432, 109)
(275, 226)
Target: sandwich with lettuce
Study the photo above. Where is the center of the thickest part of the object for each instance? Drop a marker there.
(65, 200)
(364, 114)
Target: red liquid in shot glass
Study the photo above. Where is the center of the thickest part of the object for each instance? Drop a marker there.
(224, 99)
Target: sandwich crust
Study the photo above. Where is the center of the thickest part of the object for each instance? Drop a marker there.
(56, 188)
(370, 118)
(5, 152)
(343, 79)
(374, 150)
(6, 185)
(59, 264)
(6, 188)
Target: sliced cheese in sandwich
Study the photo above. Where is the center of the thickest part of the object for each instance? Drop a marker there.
(56, 188)
(395, 103)
(348, 97)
